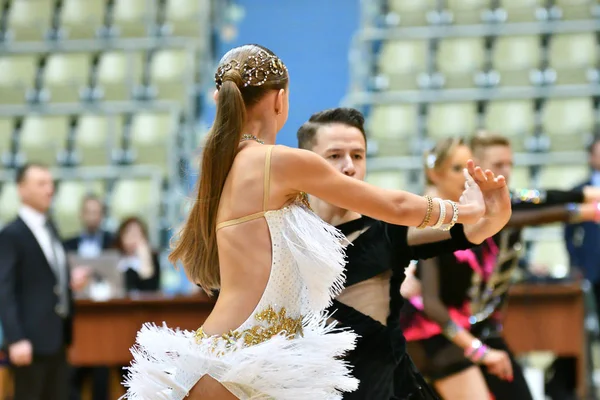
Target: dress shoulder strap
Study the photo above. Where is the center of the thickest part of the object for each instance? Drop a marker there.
(267, 179)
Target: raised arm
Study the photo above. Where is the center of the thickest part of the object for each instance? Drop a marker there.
(305, 171)
(9, 308)
(527, 199)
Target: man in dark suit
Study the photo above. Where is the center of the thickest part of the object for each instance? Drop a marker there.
(93, 239)
(36, 303)
(90, 243)
(583, 239)
(583, 245)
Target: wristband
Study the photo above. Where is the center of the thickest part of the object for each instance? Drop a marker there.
(449, 226)
(442, 217)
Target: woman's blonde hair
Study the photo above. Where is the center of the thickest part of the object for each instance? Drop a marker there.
(443, 149)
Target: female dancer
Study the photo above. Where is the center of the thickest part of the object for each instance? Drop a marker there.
(461, 293)
(370, 301)
(251, 235)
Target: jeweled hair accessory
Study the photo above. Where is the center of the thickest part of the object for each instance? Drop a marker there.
(255, 71)
(430, 160)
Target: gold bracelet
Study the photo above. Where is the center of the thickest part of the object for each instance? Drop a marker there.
(425, 222)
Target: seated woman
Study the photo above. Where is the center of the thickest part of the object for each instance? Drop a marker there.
(138, 262)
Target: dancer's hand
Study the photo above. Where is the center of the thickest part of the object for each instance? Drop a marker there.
(472, 197)
(411, 286)
(498, 363)
(494, 190)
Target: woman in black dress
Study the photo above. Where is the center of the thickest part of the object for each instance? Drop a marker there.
(454, 329)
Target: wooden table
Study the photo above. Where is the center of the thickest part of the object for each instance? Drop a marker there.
(548, 317)
(104, 331)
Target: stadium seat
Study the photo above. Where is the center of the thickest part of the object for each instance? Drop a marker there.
(9, 199)
(82, 19)
(134, 18)
(187, 18)
(172, 73)
(95, 138)
(119, 74)
(520, 178)
(28, 20)
(412, 12)
(568, 122)
(6, 135)
(393, 127)
(468, 11)
(550, 253)
(563, 177)
(388, 179)
(576, 9)
(66, 75)
(515, 57)
(134, 197)
(522, 10)
(572, 56)
(17, 76)
(401, 61)
(67, 204)
(451, 119)
(459, 60)
(152, 138)
(43, 138)
(514, 119)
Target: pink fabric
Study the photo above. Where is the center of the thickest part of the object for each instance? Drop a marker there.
(422, 327)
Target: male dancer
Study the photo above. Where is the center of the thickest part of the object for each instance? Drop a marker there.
(371, 301)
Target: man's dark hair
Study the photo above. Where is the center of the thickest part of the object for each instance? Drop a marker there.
(346, 116)
(21, 172)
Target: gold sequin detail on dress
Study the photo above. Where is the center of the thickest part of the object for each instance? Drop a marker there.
(277, 323)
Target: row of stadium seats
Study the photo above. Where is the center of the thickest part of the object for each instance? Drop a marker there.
(128, 197)
(424, 12)
(111, 75)
(567, 122)
(36, 20)
(513, 60)
(90, 139)
(564, 177)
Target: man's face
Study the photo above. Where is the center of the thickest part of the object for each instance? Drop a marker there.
(344, 147)
(92, 215)
(497, 159)
(37, 189)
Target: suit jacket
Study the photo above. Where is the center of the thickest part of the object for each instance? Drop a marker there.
(72, 244)
(28, 294)
(583, 244)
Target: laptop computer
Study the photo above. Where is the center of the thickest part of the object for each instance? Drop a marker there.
(106, 280)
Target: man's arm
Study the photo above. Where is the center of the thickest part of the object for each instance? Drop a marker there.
(9, 307)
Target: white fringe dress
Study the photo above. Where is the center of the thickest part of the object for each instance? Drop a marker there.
(285, 350)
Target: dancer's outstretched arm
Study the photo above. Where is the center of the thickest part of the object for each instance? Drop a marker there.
(306, 171)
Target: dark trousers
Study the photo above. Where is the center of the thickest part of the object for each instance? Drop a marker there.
(46, 378)
(100, 382)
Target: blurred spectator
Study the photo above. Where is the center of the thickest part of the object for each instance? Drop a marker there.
(93, 239)
(36, 302)
(138, 262)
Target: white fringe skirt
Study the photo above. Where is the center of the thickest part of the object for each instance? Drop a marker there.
(168, 363)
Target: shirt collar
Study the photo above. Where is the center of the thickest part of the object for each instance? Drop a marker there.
(31, 216)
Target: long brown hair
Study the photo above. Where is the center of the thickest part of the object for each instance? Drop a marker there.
(244, 76)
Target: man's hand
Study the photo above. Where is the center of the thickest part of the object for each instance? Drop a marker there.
(20, 353)
(411, 286)
(80, 277)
